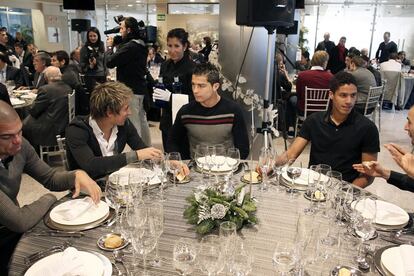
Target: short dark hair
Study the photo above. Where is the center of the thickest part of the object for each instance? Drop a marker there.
(393, 56)
(358, 61)
(61, 55)
(340, 79)
(181, 35)
(4, 58)
(19, 45)
(208, 70)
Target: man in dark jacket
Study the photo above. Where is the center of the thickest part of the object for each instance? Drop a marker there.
(337, 57)
(8, 72)
(400, 180)
(130, 60)
(49, 113)
(386, 48)
(95, 143)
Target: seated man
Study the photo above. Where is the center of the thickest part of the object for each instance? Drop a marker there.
(70, 73)
(8, 72)
(40, 62)
(95, 143)
(340, 136)
(210, 119)
(49, 113)
(18, 157)
(397, 179)
(364, 79)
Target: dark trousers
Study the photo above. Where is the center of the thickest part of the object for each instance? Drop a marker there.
(8, 242)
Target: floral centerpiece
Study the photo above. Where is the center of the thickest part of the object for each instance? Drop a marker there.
(209, 207)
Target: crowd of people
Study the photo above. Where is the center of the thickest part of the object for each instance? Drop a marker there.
(115, 113)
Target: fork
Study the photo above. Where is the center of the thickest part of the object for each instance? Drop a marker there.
(29, 260)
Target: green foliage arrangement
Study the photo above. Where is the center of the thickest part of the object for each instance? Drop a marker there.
(209, 207)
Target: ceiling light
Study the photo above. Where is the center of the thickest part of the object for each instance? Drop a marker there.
(398, 6)
(129, 5)
(138, 1)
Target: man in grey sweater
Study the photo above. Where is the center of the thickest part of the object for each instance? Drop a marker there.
(17, 156)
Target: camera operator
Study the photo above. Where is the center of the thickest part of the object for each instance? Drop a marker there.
(130, 60)
(92, 59)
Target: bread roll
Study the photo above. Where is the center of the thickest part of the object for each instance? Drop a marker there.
(113, 241)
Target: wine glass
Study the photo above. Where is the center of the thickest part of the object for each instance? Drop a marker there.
(174, 165)
(160, 169)
(281, 161)
(156, 219)
(135, 182)
(211, 255)
(265, 164)
(284, 258)
(313, 180)
(200, 158)
(233, 159)
(227, 232)
(210, 156)
(241, 260)
(184, 256)
(220, 156)
(149, 174)
(144, 240)
(111, 195)
(294, 171)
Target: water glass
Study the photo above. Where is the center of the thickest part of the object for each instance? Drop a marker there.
(184, 256)
(220, 156)
(174, 165)
(284, 258)
(241, 261)
(313, 181)
(281, 162)
(111, 195)
(294, 171)
(144, 240)
(211, 257)
(156, 220)
(265, 164)
(233, 158)
(160, 169)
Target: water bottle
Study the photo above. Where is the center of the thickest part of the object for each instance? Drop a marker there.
(160, 85)
(177, 86)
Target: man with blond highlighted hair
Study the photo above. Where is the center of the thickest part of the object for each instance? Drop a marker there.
(95, 143)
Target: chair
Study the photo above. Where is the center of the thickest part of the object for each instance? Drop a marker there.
(374, 104)
(61, 141)
(315, 100)
(392, 86)
(46, 151)
(71, 106)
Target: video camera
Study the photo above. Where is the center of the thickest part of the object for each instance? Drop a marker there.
(92, 53)
(147, 33)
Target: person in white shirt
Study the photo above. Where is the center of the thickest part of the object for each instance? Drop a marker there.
(392, 64)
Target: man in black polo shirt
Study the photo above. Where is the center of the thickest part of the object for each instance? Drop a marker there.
(339, 137)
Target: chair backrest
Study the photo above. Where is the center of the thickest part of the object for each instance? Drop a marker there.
(71, 106)
(316, 100)
(374, 98)
(61, 141)
(392, 86)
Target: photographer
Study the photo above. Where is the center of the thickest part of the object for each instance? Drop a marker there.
(130, 60)
(92, 59)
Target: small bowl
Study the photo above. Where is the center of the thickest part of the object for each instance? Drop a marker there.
(101, 242)
(354, 271)
(187, 179)
(308, 197)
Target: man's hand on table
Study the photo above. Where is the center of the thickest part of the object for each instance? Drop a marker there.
(84, 182)
(149, 153)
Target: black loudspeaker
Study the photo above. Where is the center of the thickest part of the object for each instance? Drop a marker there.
(80, 25)
(79, 5)
(274, 13)
(289, 30)
(151, 34)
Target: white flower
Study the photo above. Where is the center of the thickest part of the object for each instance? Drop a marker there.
(242, 79)
(218, 211)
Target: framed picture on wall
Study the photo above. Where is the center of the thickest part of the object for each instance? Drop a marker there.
(53, 34)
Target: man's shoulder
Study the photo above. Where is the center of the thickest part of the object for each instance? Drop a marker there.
(363, 121)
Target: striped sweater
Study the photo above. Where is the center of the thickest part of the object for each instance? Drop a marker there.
(221, 124)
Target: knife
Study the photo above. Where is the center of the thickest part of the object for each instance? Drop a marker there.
(396, 240)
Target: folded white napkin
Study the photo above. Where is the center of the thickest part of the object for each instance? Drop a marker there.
(407, 257)
(75, 208)
(178, 100)
(69, 263)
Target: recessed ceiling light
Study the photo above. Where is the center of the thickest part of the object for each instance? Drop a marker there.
(129, 5)
(398, 6)
(192, 0)
(138, 1)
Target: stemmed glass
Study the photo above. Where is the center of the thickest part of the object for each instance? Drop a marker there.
(210, 158)
(144, 240)
(220, 156)
(294, 171)
(313, 181)
(200, 157)
(227, 232)
(366, 207)
(265, 165)
(135, 182)
(149, 175)
(281, 161)
(284, 258)
(133, 219)
(211, 255)
(184, 256)
(160, 169)
(305, 241)
(174, 165)
(233, 159)
(241, 261)
(111, 195)
(156, 220)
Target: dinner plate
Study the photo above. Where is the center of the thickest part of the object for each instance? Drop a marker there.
(303, 178)
(388, 214)
(92, 265)
(29, 96)
(22, 91)
(125, 172)
(221, 164)
(94, 213)
(15, 101)
(392, 261)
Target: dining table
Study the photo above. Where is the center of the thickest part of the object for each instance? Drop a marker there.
(277, 213)
(406, 88)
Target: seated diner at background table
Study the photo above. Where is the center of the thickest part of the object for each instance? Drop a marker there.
(40, 62)
(95, 143)
(403, 158)
(210, 119)
(17, 156)
(4, 94)
(340, 137)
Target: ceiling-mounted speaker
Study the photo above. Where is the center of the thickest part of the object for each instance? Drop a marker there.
(274, 13)
(88, 5)
(80, 25)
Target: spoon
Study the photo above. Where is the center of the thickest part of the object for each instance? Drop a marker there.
(119, 257)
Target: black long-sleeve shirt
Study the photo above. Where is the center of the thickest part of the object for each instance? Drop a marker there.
(221, 124)
(402, 181)
(384, 51)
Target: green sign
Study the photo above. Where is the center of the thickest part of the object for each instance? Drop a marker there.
(161, 17)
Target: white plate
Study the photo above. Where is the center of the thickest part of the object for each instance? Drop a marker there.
(15, 101)
(22, 91)
(392, 260)
(93, 214)
(303, 178)
(93, 265)
(223, 161)
(30, 96)
(125, 172)
(388, 214)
